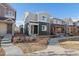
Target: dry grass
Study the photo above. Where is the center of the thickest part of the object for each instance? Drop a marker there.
(70, 44)
(2, 52)
(31, 44)
(30, 47)
(26, 39)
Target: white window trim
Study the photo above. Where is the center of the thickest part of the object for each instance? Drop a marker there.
(45, 28)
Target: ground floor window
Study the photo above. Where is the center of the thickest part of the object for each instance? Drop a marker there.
(44, 28)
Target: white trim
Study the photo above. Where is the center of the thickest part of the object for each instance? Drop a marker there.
(10, 20)
(44, 28)
(30, 24)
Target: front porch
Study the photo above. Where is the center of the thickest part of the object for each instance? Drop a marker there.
(57, 29)
(6, 30)
(6, 27)
(33, 28)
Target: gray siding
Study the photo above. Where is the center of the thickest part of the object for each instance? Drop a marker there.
(40, 28)
(26, 29)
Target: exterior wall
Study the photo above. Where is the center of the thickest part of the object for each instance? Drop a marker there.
(71, 30)
(26, 31)
(55, 21)
(76, 23)
(43, 17)
(68, 21)
(77, 30)
(30, 17)
(7, 11)
(40, 28)
(3, 29)
(36, 17)
(1, 10)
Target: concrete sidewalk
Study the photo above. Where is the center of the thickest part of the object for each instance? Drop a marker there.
(12, 50)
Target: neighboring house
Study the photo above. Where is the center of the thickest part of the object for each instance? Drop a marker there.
(76, 24)
(7, 19)
(69, 26)
(36, 23)
(56, 26)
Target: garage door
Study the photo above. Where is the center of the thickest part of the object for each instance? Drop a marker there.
(3, 28)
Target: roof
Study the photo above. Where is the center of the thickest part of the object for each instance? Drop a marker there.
(57, 24)
(4, 18)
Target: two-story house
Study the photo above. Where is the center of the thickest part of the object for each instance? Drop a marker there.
(7, 19)
(36, 23)
(76, 24)
(56, 26)
(7, 22)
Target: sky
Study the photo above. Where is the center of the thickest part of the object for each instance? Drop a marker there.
(58, 10)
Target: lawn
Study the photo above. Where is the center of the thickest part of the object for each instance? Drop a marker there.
(70, 44)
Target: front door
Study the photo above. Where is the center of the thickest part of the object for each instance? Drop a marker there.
(9, 28)
(35, 29)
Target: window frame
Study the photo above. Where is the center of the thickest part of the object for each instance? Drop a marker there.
(44, 28)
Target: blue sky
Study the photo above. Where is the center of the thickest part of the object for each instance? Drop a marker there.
(59, 10)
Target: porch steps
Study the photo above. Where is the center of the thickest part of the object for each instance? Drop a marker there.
(6, 39)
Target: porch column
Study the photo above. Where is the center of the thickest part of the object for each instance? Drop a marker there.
(13, 29)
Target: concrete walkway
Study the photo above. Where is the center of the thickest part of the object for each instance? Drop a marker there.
(12, 50)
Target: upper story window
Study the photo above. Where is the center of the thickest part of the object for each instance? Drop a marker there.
(44, 17)
(10, 13)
